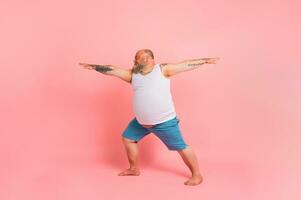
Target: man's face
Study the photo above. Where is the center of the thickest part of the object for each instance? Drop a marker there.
(142, 58)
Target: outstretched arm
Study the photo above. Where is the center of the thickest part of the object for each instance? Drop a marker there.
(170, 69)
(124, 74)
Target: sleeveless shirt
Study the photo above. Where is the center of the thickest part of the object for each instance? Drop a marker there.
(152, 103)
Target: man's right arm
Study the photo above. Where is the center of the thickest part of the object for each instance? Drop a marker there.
(124, 74)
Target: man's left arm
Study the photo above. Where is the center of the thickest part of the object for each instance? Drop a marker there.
(170, 69)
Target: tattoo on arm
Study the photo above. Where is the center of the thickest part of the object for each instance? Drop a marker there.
(200, 59)
(195, 64)
(191, 63)
(196, 59)
(102, 68)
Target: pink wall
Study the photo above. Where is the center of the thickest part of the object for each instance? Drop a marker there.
(241, 116)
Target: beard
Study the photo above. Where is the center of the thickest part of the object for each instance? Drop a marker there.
(137, 68)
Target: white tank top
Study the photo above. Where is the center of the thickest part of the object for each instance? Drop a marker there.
(153, 103)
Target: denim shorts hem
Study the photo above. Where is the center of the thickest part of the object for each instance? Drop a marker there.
(136, 140)
(177, 148)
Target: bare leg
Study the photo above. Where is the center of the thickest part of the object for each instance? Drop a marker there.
(132, 153)
(191, 161)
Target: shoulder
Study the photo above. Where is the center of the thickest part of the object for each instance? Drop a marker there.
(164, 69)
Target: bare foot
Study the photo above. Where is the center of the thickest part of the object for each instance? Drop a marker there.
(129, 172)
(194, 180)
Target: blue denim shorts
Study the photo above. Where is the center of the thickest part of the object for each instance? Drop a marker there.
(168, 132)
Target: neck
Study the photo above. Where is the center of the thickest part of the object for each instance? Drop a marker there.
(147, 67)
(143, 69)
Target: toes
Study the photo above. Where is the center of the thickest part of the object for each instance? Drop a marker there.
(120, 174)
(129, 173)
(190, 182)
(123, 173)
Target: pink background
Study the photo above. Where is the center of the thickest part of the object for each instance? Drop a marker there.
(61, 125)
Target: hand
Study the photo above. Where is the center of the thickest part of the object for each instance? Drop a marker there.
(93, 66)
(87, 66)
(210, 60)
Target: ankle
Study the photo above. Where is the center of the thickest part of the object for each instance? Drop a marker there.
(134, 168)
(196, 174)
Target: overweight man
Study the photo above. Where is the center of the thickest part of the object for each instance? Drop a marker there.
(154, 108)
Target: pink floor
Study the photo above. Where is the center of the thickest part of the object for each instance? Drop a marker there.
(163, 178)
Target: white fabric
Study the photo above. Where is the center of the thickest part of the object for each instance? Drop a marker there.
(153, 101)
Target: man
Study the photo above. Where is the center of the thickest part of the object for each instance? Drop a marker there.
(153, 107)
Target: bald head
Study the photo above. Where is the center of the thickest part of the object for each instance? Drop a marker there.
(147, 51)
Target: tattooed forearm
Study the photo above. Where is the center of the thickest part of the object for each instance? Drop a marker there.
(195, 64)
(196, 59)
(102, 68)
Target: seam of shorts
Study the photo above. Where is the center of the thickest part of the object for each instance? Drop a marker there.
(175, 149)
(129, 138)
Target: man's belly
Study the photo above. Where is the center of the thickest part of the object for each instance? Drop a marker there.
(153, 109)
(147, 126)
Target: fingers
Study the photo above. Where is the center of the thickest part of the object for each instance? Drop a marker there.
(86, 65)
(212, 60)
(215, 58)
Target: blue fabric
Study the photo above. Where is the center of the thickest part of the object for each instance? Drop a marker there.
(168, 132)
